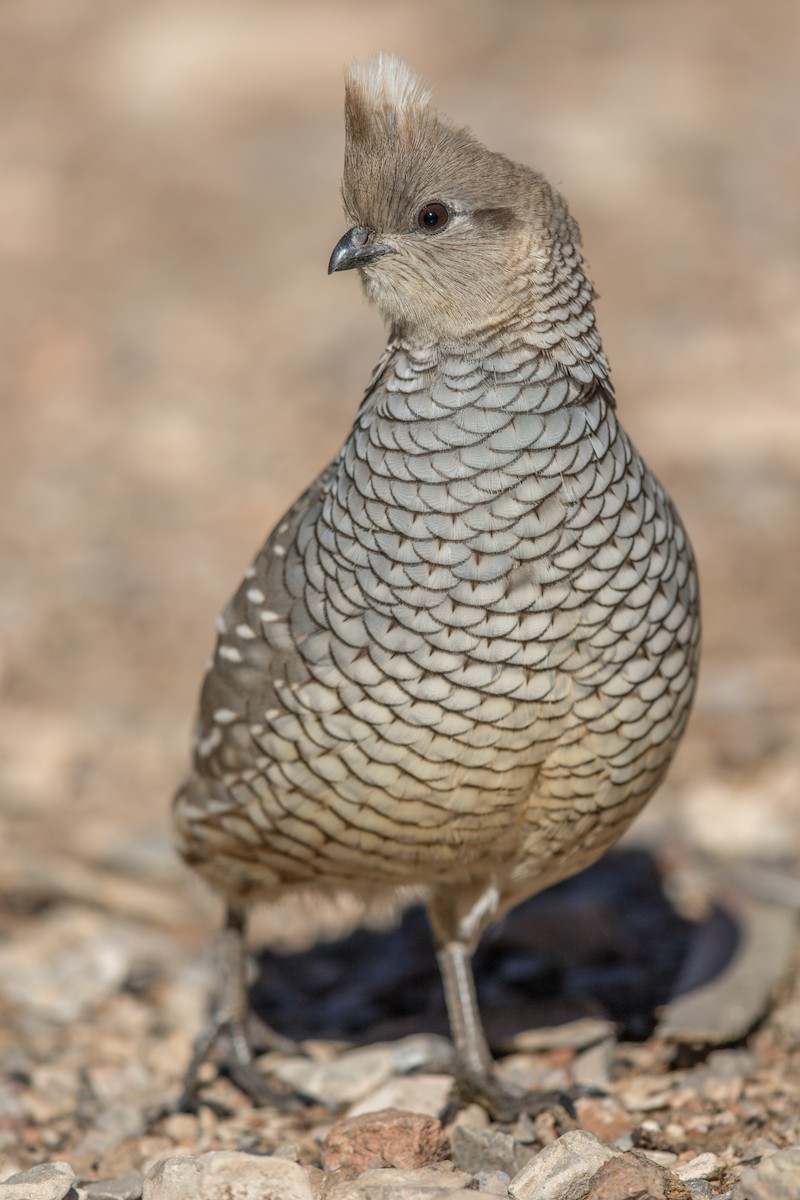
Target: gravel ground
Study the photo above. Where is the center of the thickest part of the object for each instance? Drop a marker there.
(174, 367)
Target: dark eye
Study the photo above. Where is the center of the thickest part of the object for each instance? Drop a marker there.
(433, 217)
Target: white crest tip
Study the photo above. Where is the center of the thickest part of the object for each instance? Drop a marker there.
(387, 82)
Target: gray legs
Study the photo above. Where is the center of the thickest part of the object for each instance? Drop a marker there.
(458, 917)
(472, 1050)
(230, 1027)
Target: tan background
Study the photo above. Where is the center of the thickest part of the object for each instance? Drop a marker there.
(175, 365)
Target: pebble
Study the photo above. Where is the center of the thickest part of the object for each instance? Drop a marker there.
(604, 1117)
(471, 1115)
(426, 1094)
(476, 1150)
(391, 1138)
(223, 1174)
(52, 1094)
(663, 1158)
(70, 962)
(48, 1181)
(531, 1071)
(563, 1170)
(704, 1166)
(494, 1182)
(124, 1187)
(592, 1067)
(176, 1178)
(721, 1079)
(628, 1176)
(646, 1093)
(729, 1005)
(774, 1178)
(573, 1035)
(422, 1052)
(761, 1147)
(343, 1080)
(428, 1183)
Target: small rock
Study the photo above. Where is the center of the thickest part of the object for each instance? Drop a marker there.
(476, 1150)
(230, 1173)
(426, 1094)
(343, 1080)
(140, 1154)
(471, 1115)
(603, 1116)
(176, 1178)
(182, 1127)
(422, 1052)
(629, 1177)
(699, 1189)
(113, 1124)
(761, 1147)
(391, 1138)
(646, 1094)
(725, 1008)
(651, 1137)
(494, 1182)
(429, 1183)
(563, 1170)
(575, 1035)
(662, 1158)
(223, 1174)
(124, 1187)
(704, 1166)
(48, 1181)
(592, 1067)
(70, 962)
(774, 1178)
(544, 1127)
(53, 1093)
(532, 1072)
(721, 1079)
(287, 1150)
(676, 1134)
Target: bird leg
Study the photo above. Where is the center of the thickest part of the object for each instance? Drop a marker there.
(232, 1030)
(476, 1076)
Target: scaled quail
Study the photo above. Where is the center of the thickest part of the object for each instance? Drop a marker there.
(463, 660)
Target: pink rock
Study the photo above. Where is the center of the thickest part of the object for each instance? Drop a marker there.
(389, 1138)
(629, 1177)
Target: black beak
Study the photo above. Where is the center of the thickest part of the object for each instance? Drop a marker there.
(356, 250)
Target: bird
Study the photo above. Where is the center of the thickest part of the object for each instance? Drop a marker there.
(463, 660)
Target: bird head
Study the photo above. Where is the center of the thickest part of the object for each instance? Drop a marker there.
(451, 240)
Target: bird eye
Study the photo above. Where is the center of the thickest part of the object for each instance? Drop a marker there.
(433, 217)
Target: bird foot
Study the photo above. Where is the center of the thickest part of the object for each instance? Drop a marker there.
(504, 1102)
(232, 1046)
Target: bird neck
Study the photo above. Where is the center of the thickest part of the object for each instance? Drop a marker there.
(545, 311)
(536, 350)
(431, 397)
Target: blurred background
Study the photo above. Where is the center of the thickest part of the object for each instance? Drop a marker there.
(175, 365)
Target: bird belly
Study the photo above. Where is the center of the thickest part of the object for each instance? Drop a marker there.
(372, 767)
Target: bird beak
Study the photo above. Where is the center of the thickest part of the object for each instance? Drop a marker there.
(356, 250)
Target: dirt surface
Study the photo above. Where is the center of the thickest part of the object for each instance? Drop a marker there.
(175, 366)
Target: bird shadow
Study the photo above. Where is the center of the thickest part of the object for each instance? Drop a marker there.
(607, 942)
